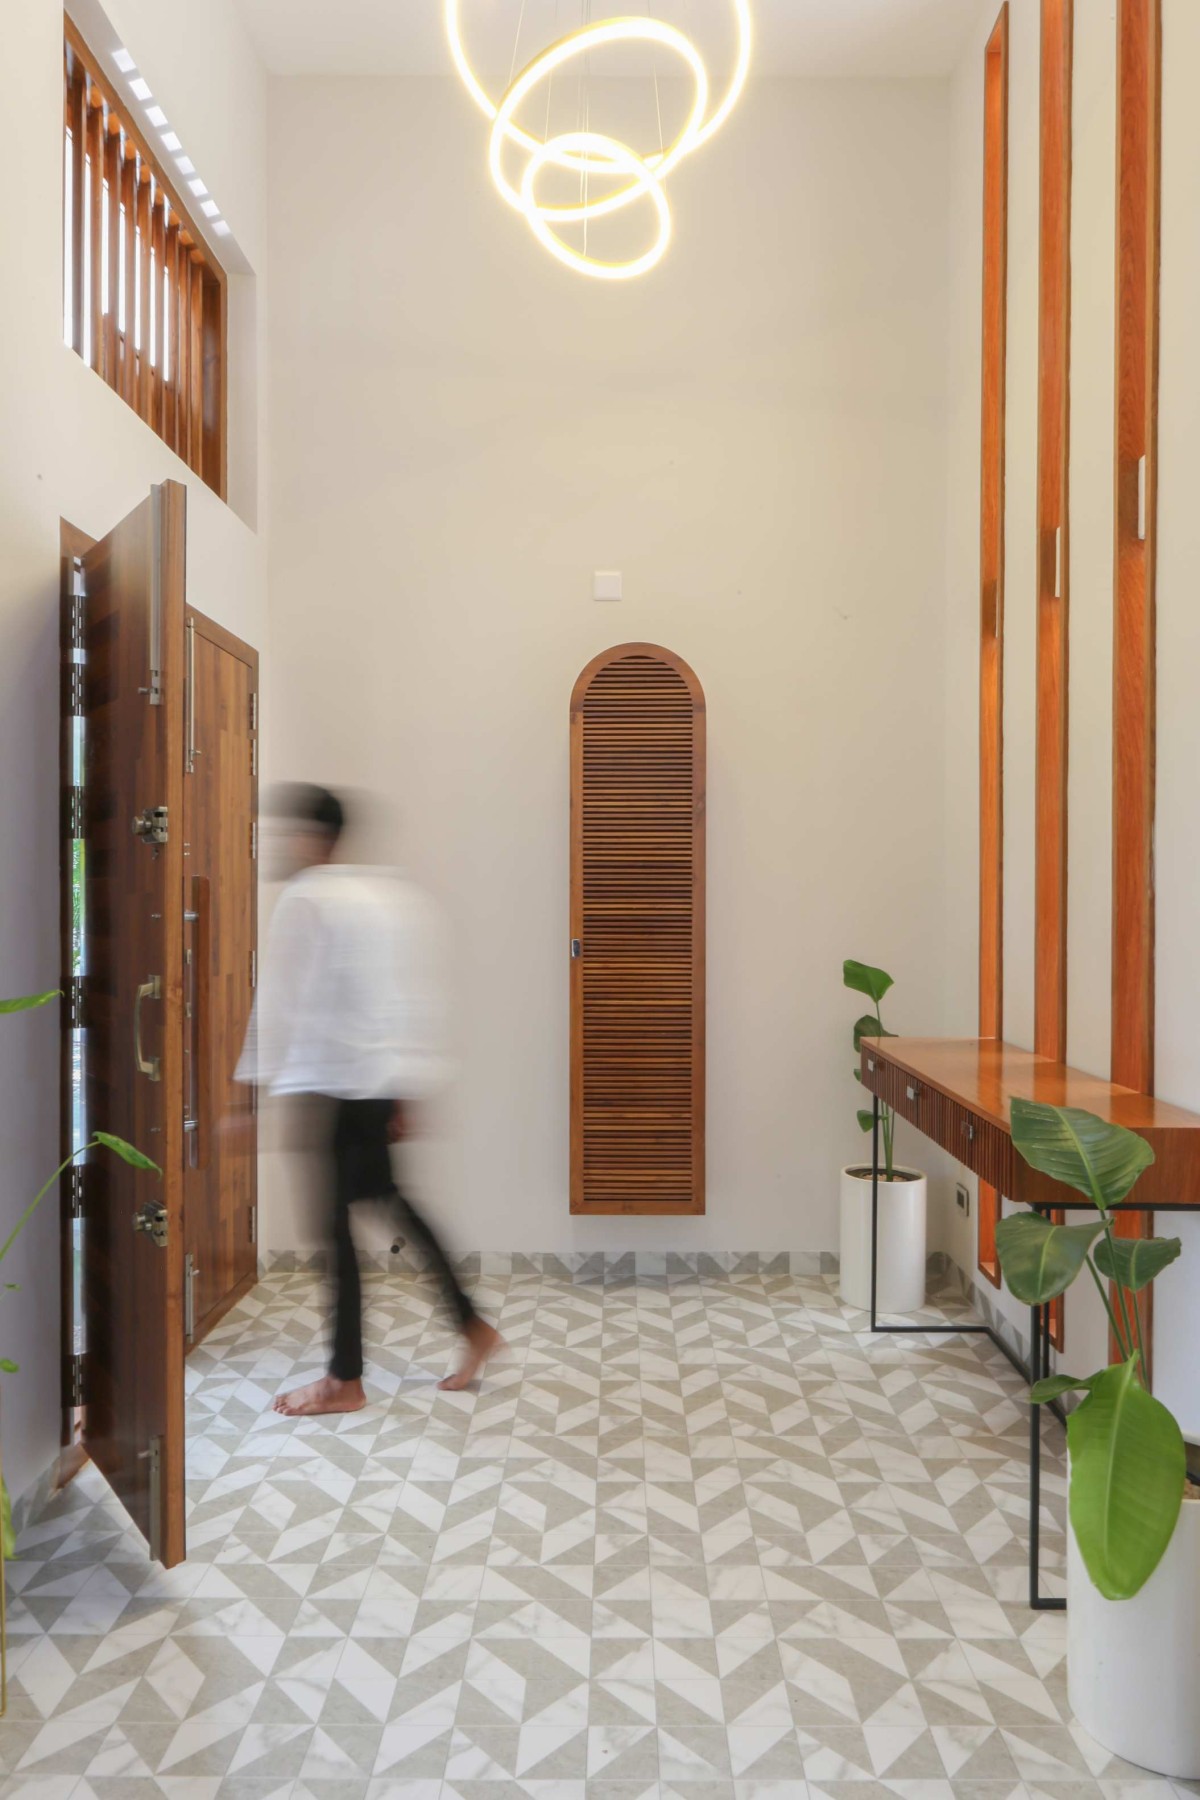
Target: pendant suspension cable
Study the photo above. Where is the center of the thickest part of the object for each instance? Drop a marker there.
(512, 67)
(657, 100)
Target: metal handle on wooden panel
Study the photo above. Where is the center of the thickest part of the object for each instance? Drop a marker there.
(201, 1020)
(189, 755)
(145, 1065)
(913, 1090)
(970, 1131)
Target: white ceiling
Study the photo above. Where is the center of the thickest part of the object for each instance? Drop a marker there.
(793, 37)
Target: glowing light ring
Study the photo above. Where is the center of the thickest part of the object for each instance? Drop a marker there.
(589, 145)
(579, 150)
(587, 152)
(619, 29)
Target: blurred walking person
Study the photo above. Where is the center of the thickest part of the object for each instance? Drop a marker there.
(348, 1015)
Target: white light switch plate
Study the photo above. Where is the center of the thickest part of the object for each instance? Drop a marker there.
(606, 584)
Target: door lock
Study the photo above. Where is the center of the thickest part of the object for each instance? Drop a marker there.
(152, 1219)
(151, 825)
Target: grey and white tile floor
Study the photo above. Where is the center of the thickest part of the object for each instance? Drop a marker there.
(694, 1537)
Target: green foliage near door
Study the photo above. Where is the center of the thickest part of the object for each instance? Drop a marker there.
(861, 978)
(103, 1140)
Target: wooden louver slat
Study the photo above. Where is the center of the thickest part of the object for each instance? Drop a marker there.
(637, 925)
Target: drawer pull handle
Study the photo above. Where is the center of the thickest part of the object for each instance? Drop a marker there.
(970, 1131)
(913, 1090)
(870, 1065)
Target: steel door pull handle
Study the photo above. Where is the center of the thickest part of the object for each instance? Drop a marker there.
(145, 1065)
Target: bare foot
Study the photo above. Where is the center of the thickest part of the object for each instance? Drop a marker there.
(481, 1340)
(329, 1395)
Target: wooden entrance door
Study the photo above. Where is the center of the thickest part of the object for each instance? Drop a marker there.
(220, 831)
(129, 990)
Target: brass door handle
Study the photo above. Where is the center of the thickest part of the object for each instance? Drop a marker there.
(149, 1066)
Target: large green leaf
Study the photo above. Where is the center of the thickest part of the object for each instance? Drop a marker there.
(863, 979)
(1103, 1161)
(869, 1027)
(125, 1151)
(27, 1002)
(1134, 1262)
(1128, 1467)
(1041, 1260)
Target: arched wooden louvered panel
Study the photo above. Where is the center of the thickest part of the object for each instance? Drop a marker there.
(637, 935)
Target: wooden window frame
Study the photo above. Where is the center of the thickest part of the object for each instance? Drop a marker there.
(1138, 249)
(991, 579)
(188, 410)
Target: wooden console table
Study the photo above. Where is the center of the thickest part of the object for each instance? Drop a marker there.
(959, 1093)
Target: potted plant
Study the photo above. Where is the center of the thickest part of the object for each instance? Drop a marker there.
(900, 1274)
(1133, 1548)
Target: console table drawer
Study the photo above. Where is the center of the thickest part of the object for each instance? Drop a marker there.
(983, 1147)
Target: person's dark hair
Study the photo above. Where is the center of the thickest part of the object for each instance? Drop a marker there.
(309, 805)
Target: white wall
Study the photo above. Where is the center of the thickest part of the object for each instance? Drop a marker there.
(462, 432)
(70, 448)
(1091, 498)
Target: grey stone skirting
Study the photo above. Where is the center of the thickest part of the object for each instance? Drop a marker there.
(585, 1265)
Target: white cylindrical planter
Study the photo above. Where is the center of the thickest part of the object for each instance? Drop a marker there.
(901, 1263)
(1133, 1666)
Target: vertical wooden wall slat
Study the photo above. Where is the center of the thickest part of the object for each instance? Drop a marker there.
(78, 153)
(95, 149)
(991, 579)
(158, 312)
(145, 382)
(112, 171)
(213, 337)
(129, 249)
(1139, 137)
(171, 330)
(1053, 563)
(195, 449)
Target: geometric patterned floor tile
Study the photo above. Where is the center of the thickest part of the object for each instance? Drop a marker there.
(699, 1536)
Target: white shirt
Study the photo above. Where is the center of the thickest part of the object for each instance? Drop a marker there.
(348, 1000)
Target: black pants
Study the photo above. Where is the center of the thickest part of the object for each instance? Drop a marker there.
(362, 1170)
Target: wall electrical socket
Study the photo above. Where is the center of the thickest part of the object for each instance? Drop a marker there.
(962, 1196)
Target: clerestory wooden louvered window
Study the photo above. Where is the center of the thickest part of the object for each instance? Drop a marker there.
(144, 299)
(637, 934)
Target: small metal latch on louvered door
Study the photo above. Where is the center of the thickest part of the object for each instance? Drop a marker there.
(576, 949)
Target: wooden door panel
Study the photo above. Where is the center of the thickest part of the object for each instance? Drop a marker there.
(220, 808)
(132, 1008)
(637, 931)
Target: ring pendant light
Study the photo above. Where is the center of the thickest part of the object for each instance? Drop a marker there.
(587, 152)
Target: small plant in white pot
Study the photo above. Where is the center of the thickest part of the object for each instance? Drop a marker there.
(1133, 1550)
(900, 1275)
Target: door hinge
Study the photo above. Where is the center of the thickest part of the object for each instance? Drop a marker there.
(75, 1381)
(151, 825)
(75, 1003)
(254, 840)
(75, 1192)
(254, 756)
(254, 968)
(254, 711)
(152, 1219)
(254, 1224)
